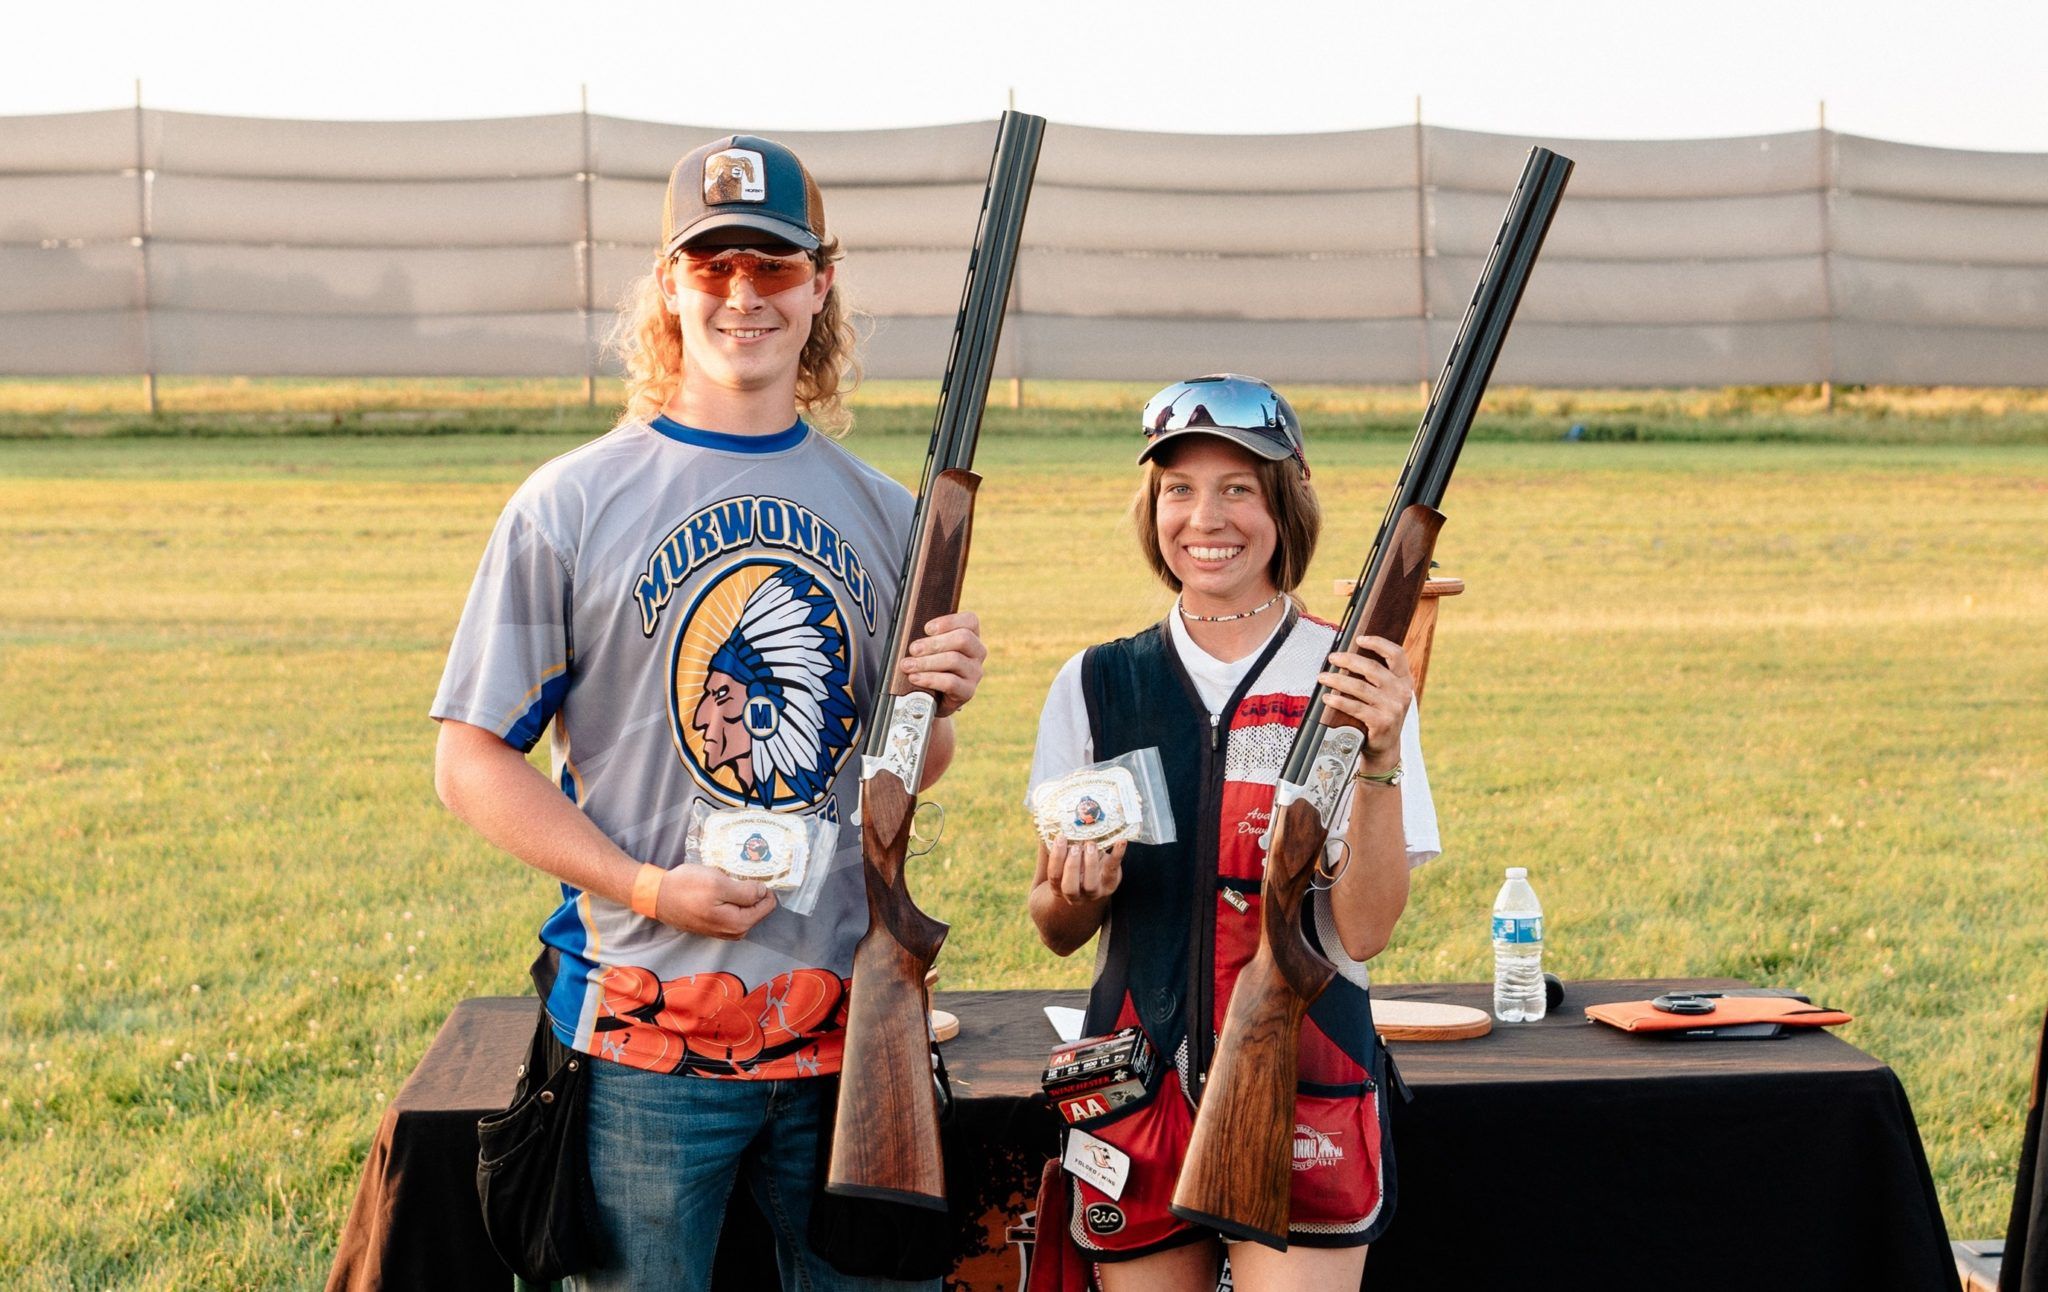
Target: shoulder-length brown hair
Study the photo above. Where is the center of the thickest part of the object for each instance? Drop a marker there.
(649, 343)
(1290, 501)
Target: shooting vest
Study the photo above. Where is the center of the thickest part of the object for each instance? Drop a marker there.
(1185, 920)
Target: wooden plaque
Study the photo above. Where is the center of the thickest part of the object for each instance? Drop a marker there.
(1421, 1020)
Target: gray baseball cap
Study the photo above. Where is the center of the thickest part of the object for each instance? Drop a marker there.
(746, 185)
(1244, 410)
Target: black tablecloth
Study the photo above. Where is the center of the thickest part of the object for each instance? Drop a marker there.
(1567, 1153)
(1558, 1154)
(414, 1222)
(2025, 1267)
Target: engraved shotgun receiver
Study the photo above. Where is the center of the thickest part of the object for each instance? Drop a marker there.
(1236, 1176)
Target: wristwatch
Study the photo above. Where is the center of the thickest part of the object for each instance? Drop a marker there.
(1391, 777)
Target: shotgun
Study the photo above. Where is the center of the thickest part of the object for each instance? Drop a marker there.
(885, 1143)
(1236, 1175)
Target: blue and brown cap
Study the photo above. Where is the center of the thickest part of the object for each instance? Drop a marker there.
(746, 186)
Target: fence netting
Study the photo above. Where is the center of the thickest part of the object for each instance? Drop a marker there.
(139, 241)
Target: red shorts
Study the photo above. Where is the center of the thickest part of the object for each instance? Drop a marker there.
(1342, 1163)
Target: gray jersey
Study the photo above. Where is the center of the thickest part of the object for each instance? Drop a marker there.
(703, 617)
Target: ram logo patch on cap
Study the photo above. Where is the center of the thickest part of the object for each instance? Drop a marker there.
(735, 175)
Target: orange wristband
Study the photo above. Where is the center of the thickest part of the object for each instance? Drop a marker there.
(647, 890)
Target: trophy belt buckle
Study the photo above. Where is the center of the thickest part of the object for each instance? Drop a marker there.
(749, 843)
(1095, 805)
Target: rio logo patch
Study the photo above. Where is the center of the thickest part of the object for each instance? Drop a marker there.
(1104, 1218)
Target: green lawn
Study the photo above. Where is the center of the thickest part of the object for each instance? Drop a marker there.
(1772, 710)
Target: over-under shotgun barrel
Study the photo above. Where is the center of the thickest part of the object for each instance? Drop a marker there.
(1238, 1171)
(1462, 384)
(886, 1142)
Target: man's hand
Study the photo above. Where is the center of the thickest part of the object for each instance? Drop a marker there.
(706, 900)
(947, 660)
(1083, 872)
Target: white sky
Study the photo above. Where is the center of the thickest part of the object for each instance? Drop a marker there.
(1961, 73)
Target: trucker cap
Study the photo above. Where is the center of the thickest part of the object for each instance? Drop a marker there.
(742, 182)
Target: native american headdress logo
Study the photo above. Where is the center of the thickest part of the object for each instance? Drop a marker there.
(761, 687)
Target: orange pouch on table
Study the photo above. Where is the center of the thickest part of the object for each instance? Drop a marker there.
(1643, 1016)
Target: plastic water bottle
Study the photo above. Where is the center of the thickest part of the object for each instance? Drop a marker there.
(1518, 995)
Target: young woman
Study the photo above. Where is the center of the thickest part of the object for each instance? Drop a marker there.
(1227, 519)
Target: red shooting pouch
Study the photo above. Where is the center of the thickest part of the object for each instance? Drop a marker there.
(1644, 1016)
(1057, 1265)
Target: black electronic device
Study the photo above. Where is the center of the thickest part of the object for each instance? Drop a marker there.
(1684, 1002)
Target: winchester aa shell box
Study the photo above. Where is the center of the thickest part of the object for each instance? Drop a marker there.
(1099, 1074)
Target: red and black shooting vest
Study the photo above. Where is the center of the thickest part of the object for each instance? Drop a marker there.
(1185, 919)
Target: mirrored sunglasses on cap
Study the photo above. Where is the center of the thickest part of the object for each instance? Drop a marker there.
(1243, 410)
(712, 269)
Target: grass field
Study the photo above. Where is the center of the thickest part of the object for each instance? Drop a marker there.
(209, 408)
(1766, 709)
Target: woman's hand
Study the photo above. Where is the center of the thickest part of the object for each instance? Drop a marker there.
(1377, 694)
(1083, 872)
(1070, 891)
(947, 660)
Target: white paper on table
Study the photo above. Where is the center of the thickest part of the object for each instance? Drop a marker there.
(1067, 1022)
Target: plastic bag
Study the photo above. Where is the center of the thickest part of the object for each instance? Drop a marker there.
(1122, 798)
(788, 851)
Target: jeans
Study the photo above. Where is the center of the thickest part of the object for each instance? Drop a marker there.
(664, 1153)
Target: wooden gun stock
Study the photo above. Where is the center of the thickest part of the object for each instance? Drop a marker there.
(1239, 1165)
(887, 1141)
(1240, 1157)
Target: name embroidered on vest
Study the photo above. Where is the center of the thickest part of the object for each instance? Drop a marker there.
(1256, 710)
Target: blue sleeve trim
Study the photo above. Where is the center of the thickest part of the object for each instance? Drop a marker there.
(525, 733)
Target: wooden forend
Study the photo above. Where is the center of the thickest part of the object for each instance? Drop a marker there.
(1422, 629)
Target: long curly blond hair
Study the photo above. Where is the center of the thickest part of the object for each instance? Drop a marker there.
(649, 343)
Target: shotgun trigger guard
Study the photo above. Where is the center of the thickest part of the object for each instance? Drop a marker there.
(1326, 875)
(938, 833)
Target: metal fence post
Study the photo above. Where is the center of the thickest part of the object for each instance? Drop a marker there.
(1421, 258)
(587, 255)
(142, 256)
(1827, 261)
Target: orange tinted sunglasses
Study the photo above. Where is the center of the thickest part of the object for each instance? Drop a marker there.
(712, 272)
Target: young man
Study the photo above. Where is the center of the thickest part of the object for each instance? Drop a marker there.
(699, 603)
